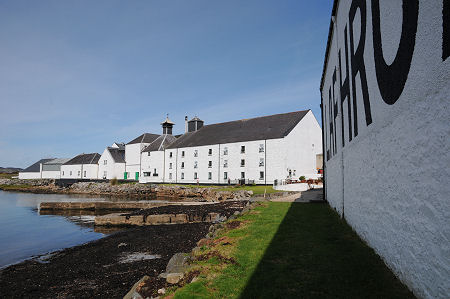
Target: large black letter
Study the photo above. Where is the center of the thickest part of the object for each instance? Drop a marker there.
(357, 62)
(446, 30)
(392, 78)
(345, 91)
(335, 109)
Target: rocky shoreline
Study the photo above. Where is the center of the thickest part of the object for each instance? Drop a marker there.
(130, 190)
(109, 267)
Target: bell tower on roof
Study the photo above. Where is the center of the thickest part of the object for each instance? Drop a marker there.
(167, 126)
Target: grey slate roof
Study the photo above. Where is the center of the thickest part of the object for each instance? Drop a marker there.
(144, 138)
(120, 145)
(118, 154)
(259, 128)
(84, 159)
(36, 167)
(57, 161)
(160, 143)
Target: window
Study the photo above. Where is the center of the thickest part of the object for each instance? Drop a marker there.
(195, 153)
(147, 173)
(170, 176)
(85, 173)
(242, 149)
(182, 165)
(182, 154)
(261, 162)
(209, 164)
(182, 175)
(261, 148)
(105, 174)
(261, 175)
(242, 162)
(195, 164)
(225, 163)
(63, 173)
(294, 172)
(170, 154)
(154, 172)
(209, 175)
(170, 165)
(70, 173)
(225, 175)
(195, 176)
(148, 154)
(243, 175)
(210, 152)
(225, 151)
(79, 173)
(105, 162)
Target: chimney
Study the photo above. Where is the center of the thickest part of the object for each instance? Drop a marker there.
(185, 124)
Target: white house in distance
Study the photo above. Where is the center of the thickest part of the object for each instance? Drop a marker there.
(261, 149)
(34, 171)
(52, 169)
(84, 166)
(133, 150)
(112, 162)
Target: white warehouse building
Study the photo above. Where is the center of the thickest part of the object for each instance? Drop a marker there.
(111, 164)
(84, 166)
(258, 150)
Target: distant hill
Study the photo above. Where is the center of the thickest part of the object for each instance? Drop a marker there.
(9, 169)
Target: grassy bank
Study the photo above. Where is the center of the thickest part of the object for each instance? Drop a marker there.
(291, 250)
(8, 175)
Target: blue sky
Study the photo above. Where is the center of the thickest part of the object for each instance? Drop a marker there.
(76, 76)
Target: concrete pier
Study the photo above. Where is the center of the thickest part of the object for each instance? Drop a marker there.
(118, 219)
(107, 205)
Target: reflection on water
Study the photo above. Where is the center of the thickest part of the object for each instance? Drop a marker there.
(26, 232)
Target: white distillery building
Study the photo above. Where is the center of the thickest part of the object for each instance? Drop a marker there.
(133, 150)
(259, 150)
(52, 169)
(34, 171)
(84, 166)
(111, 164)
(386, 119)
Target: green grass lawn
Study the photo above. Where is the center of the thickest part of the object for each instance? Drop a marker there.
(292, 250)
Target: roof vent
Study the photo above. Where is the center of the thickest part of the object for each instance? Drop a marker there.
(195, 124)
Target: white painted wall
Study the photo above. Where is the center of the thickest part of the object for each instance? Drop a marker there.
(51, 174)
(78, 171)
(107, 165)
(391, 180)
(149, 163)
(29, 175)
(133, 159)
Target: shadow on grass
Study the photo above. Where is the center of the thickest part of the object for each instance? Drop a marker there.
(315, 254)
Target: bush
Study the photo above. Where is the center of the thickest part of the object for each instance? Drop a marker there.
(302, 178)
(113, 182)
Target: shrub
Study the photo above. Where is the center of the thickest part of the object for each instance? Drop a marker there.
(302, 178)
(113, 182)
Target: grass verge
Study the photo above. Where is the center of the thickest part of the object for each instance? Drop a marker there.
(290, 250)
(259, 189)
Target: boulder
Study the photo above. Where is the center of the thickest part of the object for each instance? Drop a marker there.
(174, 278)
(134, 292)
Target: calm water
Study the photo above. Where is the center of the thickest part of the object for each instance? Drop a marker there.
(25, 233)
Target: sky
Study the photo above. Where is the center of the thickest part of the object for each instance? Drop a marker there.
(77, 76)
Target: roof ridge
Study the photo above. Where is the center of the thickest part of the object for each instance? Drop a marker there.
(246, 119)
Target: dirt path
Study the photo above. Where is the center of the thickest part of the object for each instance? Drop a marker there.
(306, 196)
